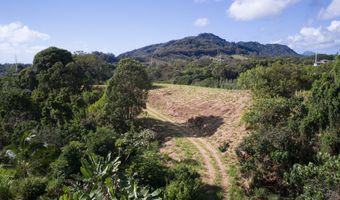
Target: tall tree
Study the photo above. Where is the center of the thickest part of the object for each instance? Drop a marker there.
(45, 59)
(126, 93)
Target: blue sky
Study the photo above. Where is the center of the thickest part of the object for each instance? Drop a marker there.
(121, 25)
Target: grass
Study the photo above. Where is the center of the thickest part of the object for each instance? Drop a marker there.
(190, 152)
(234, 191)
(239, 57)
(218, 178)
(204, 93)
(183, 101)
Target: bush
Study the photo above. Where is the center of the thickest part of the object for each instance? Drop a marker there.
(316, 181)
(148, 170)
(102, 142)
(68, 162)
(33, 187)
(185, 185)
(290, 129)
(224, 147)
(266, 155)
(278, 80)
(275, 112)
(5, 187)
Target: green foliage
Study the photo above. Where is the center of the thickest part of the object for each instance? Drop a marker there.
(324, 104)
(52, 114)
(224, 147)
(148, 170)
(206, 44)
(96, 69)
(102, 180)
(69, 162)
(316, 181)
(267, 154)
(275, 112)
(15, 107)
(32, 187)
(47, 58)
(27, 79)
(278, 80)
(185, 185)
(5, 185)
(90, 97)
(102, 142)
(289, 130)
(126, 93)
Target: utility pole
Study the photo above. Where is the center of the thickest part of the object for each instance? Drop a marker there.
(16, 64)
(316, 60)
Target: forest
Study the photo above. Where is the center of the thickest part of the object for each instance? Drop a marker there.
(71, 128)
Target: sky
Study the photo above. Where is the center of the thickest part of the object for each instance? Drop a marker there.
(117, 26)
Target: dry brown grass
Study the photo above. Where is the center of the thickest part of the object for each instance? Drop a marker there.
(184, 102)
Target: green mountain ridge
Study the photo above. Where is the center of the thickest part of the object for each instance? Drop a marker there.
(207, 44)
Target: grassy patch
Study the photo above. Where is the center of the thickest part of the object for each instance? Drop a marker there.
(234, 191)
(190, 152)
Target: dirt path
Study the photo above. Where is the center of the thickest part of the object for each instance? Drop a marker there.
(207, 151)
(214, 117)
(210, 171)
(217, 157)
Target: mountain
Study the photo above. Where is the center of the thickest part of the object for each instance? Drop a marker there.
(207, 44)
(308, 53)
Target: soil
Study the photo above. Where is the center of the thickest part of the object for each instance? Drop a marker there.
(207, 117)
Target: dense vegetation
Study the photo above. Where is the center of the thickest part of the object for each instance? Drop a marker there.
(11, 68)
(293, 148)
(64, 136)
(221, 71)
(206, 44)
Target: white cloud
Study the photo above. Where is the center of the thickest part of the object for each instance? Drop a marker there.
(16, 33)
(332, 11)
(334, 26)
(255, 9)
(315, 38)
(201, 22)
(18, 39)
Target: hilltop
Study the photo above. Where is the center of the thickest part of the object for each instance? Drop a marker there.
(207, 44)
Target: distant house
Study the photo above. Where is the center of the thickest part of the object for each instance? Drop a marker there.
(320, 62)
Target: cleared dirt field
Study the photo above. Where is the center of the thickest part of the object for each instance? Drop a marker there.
(221, 109)
(206, 118)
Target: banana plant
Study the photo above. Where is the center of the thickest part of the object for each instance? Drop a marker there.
(103, 180)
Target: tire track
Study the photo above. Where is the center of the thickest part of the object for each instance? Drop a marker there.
(207, 151)
(210, 172)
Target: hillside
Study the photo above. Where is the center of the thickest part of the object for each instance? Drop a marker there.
(202, 119)
(207, 44)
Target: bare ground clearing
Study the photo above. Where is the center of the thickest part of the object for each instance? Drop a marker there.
(208, 118)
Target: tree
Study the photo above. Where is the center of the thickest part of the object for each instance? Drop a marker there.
(27, 79)
(319, 180)
(95, 68)
(126, 93)
(45, 59)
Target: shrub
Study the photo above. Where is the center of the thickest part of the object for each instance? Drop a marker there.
(224, 147)
(185, 185)
(33, 187)
(148, 170)
(316, 181)
(267, 154)
(102, 142)
(5, 187)
(68, 162)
